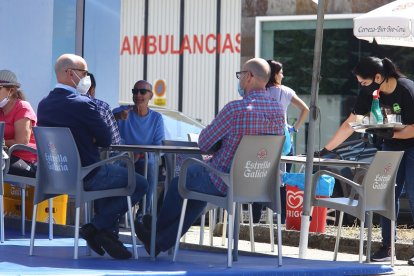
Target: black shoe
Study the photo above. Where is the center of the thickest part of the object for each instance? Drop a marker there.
(142, 232)
(88, 232)
(112, 245)
(382, 255)
(144, 235)
(411, 261)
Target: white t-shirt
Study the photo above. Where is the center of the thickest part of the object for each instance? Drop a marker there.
(283, 95)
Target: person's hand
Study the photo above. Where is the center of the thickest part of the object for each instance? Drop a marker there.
(386, 133)
(323, 152)
(292, 129)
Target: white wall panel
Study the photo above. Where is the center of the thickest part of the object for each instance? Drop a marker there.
(199, 69)
(164, 25)
(131, 61)
(230, 58)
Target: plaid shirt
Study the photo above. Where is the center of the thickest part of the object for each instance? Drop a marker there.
(105, 110)
(255, 114)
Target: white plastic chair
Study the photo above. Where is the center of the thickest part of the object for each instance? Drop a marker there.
(375, 194)
(254, 177)
(60, 172)
(19, 181)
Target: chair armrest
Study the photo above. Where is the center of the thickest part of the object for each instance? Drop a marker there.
(14, 148)
(186, 193)
(355, 186)
(190, 161)
(124, 157)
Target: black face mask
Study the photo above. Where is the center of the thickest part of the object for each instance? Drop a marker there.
(374, 86)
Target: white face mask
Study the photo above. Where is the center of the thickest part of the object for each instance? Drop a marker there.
(4, 102)
(84, 84)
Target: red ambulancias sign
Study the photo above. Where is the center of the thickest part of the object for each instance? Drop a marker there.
(191, 44)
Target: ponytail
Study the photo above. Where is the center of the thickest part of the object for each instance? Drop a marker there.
(390, 69)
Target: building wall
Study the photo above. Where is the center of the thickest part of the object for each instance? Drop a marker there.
(252, 8)
(192, 45)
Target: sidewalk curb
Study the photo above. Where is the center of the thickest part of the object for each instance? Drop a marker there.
(319, 241)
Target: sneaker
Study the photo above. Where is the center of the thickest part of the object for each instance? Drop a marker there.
(411, 261)
(88, 232)
(382, 255)
(112, 245)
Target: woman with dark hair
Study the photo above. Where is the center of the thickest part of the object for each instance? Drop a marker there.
(397, 99)
(19, 119)
(285, 96)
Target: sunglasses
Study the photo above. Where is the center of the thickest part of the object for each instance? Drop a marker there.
(141, 91)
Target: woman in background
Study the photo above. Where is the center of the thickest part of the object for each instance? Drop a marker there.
(19, 119)
(285, 96)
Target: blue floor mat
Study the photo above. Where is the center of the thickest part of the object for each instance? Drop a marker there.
(56, 258)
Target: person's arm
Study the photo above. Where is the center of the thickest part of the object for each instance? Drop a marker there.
(343, 132)
(304, 111)
(22, 132)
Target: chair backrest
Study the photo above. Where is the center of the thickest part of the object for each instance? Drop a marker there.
(171, 169)
(255, 170)
(59, 165)
(379, 183)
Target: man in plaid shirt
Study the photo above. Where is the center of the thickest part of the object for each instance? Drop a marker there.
(254, 114)
(105, 110)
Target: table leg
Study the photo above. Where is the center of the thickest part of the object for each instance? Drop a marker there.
(154, 205)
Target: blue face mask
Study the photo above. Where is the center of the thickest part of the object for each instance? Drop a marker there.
(240, 90)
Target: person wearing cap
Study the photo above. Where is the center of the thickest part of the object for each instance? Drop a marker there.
(19, 119)
(143, 126)
(105, 111)
(65, 106)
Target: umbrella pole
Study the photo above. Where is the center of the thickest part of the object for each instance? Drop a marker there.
(305, 222)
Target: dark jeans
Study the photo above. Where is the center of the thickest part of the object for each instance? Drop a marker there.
(109, 210)
(167, 223)
(405, 176)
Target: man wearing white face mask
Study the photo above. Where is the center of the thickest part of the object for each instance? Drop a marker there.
(64, 106)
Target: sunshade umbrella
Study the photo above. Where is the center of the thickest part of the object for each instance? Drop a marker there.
(391, 24)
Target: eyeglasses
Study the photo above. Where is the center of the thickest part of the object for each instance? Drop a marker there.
(238, 74)
(84, 72)
(141, 91)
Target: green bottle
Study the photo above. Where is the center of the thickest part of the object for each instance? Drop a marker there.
(375, 117)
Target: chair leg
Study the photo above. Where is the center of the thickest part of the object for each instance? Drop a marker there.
(223, 235)
(236, 232)
(369, 237)
(231, 236)
(392, 242)
(211, 226)
(50, 218)
(338, 235)
(1, 218)
(33, 230)
(180, 229)
(252, 248)
(202, 224)
(23, 209)
(131, 219)
(88, 215)
(76, 240)
(271, 229)
(279, 239)
(361, 240)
